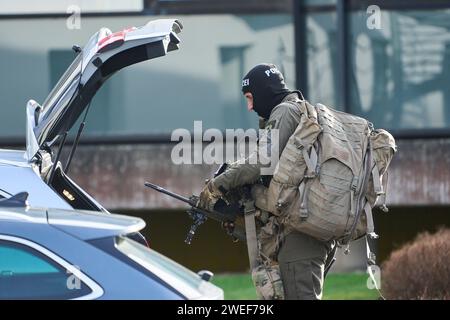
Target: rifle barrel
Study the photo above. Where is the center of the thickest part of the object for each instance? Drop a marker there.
(169, 193)
(215, 215)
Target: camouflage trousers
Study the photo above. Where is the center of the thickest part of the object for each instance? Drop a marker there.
(267, 281)
(302, 260)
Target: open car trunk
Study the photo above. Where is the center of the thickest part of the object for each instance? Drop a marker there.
(72, 193)
(103, 55)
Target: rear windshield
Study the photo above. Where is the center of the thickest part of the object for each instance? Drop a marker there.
(63, 84)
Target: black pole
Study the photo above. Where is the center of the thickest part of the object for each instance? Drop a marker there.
(343, 52)
(77, 139)
(58, 155)
(169, 193)
(301, 49)
(74, 147)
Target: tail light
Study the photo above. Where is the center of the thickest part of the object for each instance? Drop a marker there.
(113, 40)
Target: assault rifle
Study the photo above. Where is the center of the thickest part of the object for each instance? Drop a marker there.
(225, 213)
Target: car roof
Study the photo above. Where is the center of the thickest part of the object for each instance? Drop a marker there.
(12, 157)
(25, 214)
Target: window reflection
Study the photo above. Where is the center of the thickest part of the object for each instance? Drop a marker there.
(322, 57)
(399, 74)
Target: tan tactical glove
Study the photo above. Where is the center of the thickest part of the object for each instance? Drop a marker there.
(209, 196)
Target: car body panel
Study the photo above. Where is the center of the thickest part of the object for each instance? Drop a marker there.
(117, 279)
(14, 157)
(88, 225)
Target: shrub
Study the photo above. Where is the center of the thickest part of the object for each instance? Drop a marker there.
(420, 269)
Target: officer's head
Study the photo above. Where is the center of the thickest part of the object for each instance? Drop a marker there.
(264, 88)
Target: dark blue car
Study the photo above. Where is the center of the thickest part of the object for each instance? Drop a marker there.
(73, 254)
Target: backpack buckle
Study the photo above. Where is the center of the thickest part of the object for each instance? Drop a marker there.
(347, 249)
(310, 175)
(298, 144)
(354, 184)
(303, 212)
(372, 258)
(249, 207)
(373, 235)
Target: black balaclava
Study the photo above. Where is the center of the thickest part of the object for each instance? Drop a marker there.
(266, 83)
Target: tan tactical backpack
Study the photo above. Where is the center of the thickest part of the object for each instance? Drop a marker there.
(332, 170)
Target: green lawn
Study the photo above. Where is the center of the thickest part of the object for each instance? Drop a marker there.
(349, 286)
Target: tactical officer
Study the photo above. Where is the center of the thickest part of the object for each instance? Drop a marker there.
(301, 258)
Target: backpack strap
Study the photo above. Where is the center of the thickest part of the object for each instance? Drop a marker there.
(353, 191)
(372, 269)
(379, 185)
(331, 259)
(357, 199)
(311, 161)
(382, 199)
(378, 191)
(250, 233)
(371, 236)
(310, 155)
(370, 225)
(371, 262)
(376, 179)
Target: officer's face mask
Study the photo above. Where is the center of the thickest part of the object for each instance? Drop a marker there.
(266, 84)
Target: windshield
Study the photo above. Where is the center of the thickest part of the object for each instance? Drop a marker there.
(72, 73)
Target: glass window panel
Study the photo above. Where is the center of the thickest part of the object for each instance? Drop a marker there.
(322, 59)
(27, 274)
(399, 74)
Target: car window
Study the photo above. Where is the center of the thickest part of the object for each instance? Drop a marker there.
(66, 80)
(25, 273)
